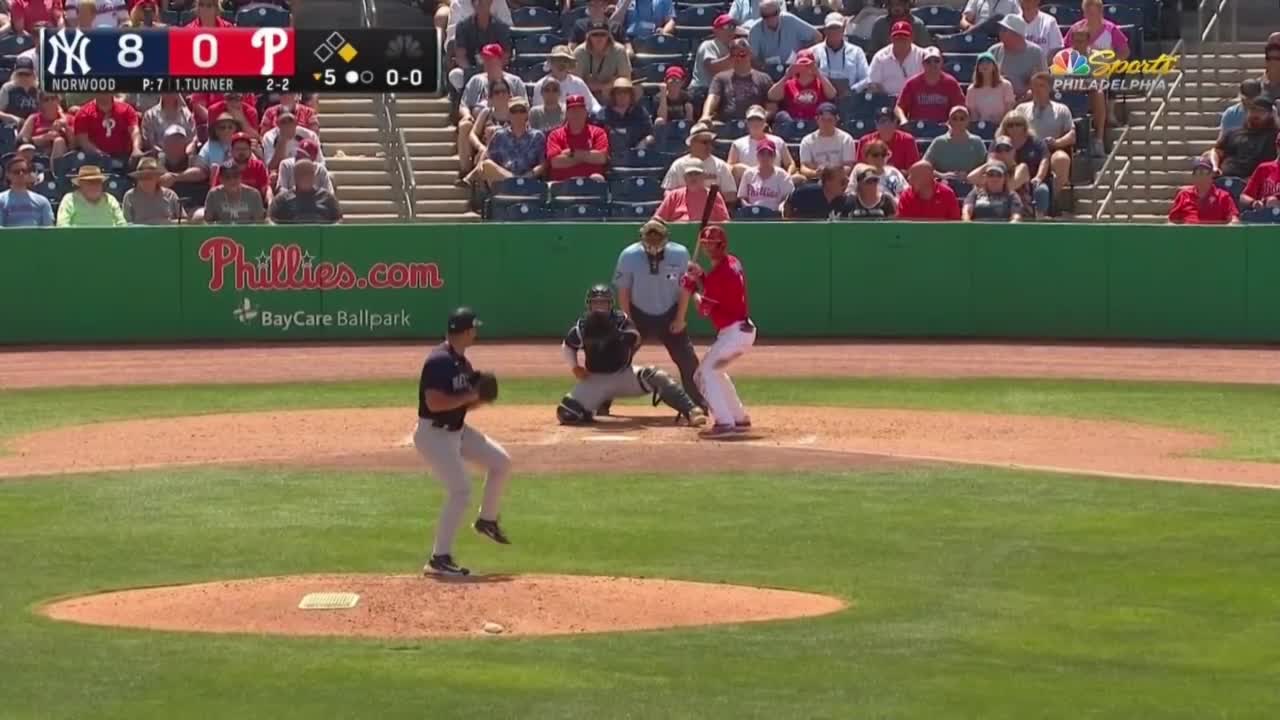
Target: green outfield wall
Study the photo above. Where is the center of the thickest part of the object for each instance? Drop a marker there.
(528, 280)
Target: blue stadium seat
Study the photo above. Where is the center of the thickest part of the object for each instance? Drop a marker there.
(537, 43)
(8, 139)
(640, 211)
(177, 17)
(636, 188)
(671, 136)
(52, 188)
(530, 73)
(732, 130)
(922, 145)
(812, 14)
(15, 44)
(1077, 102)
(522, 188)
(699, 17)
(775, 71)
(961, 66)
(1233, 185)
(857, 127)
(1265, 215)
(592, 210)
(641, 161)
(668, 47)
(795, 130)
(968, 42)
(1066, 15)
(960, 187)
(518, 210)
(534, 18)
(579, 188)
(864, 105)
(938, 15)
(1124, 14)
(263, 17)
(651, 70)
(755, 212)
(71, 162)
(118, 185)
(983, 129)
(925, 130)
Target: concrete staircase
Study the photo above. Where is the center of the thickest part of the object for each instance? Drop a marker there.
(363, 176)
(430, 140)
(1155, 157)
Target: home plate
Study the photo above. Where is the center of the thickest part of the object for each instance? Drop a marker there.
(609, 438)
(328, 601)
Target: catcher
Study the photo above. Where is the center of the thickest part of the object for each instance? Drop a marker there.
(609, 340)
(448, 388)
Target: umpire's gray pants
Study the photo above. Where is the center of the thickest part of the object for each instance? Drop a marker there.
(599, 388)
(447, 453)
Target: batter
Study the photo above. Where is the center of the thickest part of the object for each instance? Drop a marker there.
(723, 299)
(609, 340)
(448, 388)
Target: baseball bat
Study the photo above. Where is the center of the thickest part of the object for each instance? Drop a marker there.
(712, 193)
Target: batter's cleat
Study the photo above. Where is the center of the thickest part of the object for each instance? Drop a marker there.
(743, 424)
(444, 565)
(490, 529)
(717, 431)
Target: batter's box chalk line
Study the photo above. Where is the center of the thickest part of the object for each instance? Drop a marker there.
(329, 601)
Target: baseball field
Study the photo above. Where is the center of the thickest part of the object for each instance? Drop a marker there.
(910, 531)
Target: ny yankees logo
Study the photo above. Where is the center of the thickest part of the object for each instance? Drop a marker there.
(72, 53)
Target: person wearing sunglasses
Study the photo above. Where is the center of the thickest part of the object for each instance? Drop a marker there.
(735, 90)
(516, 150)
(928, 96)
(778, 37)
(209, 15)
(876, 156)
(701, 142)
(19, 207)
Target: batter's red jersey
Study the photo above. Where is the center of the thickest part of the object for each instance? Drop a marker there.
(724, 293)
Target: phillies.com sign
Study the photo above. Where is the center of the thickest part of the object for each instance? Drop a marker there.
(290, 267)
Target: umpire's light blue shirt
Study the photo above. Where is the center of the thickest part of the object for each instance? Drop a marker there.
(652, 293)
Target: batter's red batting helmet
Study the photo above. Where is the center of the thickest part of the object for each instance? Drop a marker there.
(713, 234)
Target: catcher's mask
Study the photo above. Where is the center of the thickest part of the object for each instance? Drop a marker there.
(600, 299)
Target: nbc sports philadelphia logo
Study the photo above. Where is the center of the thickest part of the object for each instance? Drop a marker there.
(1073, 71)
(246, 313)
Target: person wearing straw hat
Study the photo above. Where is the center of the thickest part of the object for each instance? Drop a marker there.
(560, 64)
(89, 205)
(626, 116)
(148, 202)
(701, 141)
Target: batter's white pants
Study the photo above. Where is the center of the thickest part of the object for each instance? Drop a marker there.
(713, 377)
(447, 453)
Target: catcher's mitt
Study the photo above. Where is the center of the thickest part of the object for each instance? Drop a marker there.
(486, 386)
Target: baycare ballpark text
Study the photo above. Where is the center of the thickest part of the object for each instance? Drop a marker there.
(289, 267)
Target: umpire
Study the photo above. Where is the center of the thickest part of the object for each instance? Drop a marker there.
(648, 282)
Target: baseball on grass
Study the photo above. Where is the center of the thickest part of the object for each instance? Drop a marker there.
(493, 628)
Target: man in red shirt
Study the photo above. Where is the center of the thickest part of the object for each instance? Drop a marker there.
(577, 148)
(253, 172)
(801, 90)
(903, 152)
(1263, 188)
(926, 198)
(33, 12)
(930, 95)
(724, 301)
(1202, 202)
(241, 109)
(687, 203)
(108, 127)
(289, 101)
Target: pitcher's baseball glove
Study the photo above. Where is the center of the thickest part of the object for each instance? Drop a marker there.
(486, 385)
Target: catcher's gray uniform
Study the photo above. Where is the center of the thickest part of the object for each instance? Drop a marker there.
(609, 340)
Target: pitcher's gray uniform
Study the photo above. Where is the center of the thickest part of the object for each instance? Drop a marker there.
(609, 340)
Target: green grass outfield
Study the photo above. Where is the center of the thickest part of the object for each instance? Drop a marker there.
(977, 593)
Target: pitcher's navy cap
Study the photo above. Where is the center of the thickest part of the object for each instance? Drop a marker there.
(463, 319)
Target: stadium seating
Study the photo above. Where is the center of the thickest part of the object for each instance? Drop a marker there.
(262, 17)
(633, 212)
(1264, 215)
(938, 15)
(539, 43)
(578, 189)
(582, 211)
(662, 47)
(694, 22)
(518, 210)
(865, 105)
(1233, 185)
(642, 162)
(534, 19)
(755, 212)
(1066, 14)
(795, 130)
(635, 188)
(968, 42)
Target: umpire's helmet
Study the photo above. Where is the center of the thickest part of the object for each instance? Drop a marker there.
(600, 293)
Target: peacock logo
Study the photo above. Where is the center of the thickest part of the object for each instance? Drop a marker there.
(1070, 62)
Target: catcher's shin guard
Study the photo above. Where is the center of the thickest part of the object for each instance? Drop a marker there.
(571, 412)
(666, 390)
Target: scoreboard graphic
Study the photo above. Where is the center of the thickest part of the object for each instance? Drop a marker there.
(236, 59)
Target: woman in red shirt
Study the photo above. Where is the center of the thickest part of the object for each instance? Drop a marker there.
(801, 90)
(49, 130)
(1263, 189)
(1202, 202)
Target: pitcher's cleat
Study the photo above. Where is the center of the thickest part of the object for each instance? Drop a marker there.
(490, 529)
(444, 565)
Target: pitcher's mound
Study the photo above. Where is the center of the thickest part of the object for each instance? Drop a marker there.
(417, 607)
